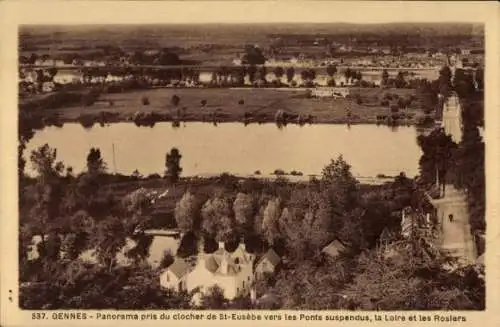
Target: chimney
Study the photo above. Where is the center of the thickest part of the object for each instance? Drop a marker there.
(221, 245)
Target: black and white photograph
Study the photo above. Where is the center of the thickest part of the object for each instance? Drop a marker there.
(251, 166)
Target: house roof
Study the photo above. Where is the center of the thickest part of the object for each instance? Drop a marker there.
(271, 256)
(334, 248)
(179, 268)
(211, 264)
(213, 261)
(241, 255)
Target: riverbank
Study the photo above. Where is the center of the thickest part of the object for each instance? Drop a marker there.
(146, 107)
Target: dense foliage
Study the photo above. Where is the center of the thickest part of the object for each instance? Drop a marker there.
(75, 214)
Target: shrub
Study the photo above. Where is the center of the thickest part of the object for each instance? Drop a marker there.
(87, 121)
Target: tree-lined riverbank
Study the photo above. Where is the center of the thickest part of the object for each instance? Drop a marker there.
(147, 107)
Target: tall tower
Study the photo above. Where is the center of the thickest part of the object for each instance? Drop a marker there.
(452, 111)
(452, 117)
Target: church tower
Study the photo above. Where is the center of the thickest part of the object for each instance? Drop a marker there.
(452, 117)
(452, 110)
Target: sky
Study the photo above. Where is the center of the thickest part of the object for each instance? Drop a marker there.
(291, 11)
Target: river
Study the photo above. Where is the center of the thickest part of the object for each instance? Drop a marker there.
(237, 149)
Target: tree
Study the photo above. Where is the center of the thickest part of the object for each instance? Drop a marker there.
(32, 58)
(216, 216)
(244, 209)
(310, 286)
(279, 72)
(385, 77)
(251, 71)
(95, 163)
(400, 80)
(272, 213)
(437, 148)
(348, 74)
(109, 239)
(48, 191)
(172, 163)
(427, 96)
(167, 58)
(359, 76)
(308, 75)
(52, 72)
(253, 56)
(263, 74)
(469, 164)
(44, 163)
(186, 212)
(290, 74)
(463, 83)
(404, 274)
(338, 180)
(331, 70)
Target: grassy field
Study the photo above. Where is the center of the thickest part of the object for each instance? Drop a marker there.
(232, 104)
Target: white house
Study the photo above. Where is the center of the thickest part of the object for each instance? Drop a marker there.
(175, 276)
(232, 272)
(48, 87)
(267, 263)
(334, 249)
(333, 92)
(113, 78)
(67, 77)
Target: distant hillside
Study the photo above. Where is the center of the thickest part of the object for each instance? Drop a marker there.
(139, 36)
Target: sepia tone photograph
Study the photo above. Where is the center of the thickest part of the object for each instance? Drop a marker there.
(252, 166)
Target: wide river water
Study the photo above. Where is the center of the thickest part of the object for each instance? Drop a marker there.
(234, 148)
